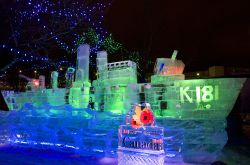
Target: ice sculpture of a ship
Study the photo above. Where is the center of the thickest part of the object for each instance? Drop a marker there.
(192, 112)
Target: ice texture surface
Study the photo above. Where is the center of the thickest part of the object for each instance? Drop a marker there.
(60, 128)
(89, 132)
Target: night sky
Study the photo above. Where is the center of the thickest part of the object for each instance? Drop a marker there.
(215, 32)
(206, 33)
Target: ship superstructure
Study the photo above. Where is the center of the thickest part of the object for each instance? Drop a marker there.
(111, 87)
(116, 89)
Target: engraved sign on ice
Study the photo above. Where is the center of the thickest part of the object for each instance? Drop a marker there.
(206, 93)
(140, 141)
(140, 133)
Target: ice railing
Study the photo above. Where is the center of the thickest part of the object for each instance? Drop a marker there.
(126, 73)
(117, 70)
(124, 69)
(121, 64)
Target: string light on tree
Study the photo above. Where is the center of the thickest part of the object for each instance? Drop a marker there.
(40, 26)
(111, 45)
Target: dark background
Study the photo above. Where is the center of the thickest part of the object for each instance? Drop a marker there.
(206, 33)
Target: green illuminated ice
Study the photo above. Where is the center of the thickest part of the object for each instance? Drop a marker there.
(79, 90)
(116, 89)
(111, 92)
(172, 96)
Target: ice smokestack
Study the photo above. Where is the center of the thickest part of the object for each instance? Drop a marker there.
(54, 79)
(83, 53)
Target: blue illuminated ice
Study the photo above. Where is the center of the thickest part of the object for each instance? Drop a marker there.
(60, 128)
(89, 132)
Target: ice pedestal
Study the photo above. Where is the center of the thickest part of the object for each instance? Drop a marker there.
(131, 158)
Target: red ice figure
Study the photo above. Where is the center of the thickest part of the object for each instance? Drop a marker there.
(147, 117)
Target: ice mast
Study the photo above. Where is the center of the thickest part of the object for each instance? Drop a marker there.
(79, 93)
